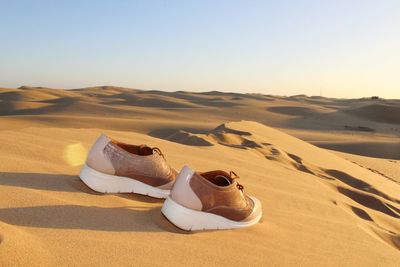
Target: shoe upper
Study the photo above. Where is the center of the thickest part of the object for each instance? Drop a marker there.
(142, 163)
(216, 192)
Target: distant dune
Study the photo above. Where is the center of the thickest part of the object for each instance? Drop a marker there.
(124, 108)
(385, 112)
(320, 207)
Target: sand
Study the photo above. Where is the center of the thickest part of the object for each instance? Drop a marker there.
(320, 207)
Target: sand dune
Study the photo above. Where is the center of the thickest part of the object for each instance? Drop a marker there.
(300, 111)
(207, 110)
(320, 207)
(384, 112)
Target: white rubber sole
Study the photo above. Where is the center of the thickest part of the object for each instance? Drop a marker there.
(193, 220)
(105, 183)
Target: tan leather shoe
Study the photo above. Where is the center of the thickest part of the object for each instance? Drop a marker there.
(210, 200)
(115, 167)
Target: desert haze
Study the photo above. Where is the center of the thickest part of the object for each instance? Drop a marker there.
(327, 172)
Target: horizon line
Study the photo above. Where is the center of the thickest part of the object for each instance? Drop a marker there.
(188, 91)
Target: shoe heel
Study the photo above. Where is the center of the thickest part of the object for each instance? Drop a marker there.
(193, 220)
(105, 183)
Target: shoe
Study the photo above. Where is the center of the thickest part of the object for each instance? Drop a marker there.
(115, 167)
(210, 200)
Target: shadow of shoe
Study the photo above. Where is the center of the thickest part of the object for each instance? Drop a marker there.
(60, 183)
(118, 219)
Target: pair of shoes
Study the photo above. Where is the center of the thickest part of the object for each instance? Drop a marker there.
(194, 200)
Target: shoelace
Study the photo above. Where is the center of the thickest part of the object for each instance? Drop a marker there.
(158, 151)
(234, 176)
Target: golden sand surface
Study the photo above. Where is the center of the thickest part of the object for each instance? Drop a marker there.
(320, 207)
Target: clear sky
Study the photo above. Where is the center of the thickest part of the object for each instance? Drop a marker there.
(348, 48)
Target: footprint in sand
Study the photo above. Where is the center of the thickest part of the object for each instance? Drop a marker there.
(389, 237)
(370, 202)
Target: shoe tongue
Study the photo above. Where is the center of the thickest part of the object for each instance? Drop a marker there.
(145, 150)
